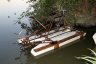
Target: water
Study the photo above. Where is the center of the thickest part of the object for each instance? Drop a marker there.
(10, 52)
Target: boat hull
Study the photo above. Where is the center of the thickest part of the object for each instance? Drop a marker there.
(67, 39)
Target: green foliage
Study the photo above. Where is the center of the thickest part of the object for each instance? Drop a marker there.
(92, 2)
(46, 7)
(89, 59)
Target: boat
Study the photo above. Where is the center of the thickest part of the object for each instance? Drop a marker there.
(57, 41)
(41, 37)
(94, 38)
(50, 40)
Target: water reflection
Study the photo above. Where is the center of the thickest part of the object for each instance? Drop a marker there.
(25, 57)
(10, 10)
(8, 16)
(25, 27)
(14, 13)
(8, 0)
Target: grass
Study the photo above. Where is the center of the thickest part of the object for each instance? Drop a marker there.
(89, 59)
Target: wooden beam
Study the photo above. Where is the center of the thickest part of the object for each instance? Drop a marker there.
(38, 22)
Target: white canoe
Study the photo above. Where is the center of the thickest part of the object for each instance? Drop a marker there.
(94, 38)
(62, 40)
(51, 33)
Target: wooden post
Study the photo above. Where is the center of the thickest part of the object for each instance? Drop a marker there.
(39, 22)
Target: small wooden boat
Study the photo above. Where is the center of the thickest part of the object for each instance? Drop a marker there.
(36, 38)
(94, 38)
(56, 41)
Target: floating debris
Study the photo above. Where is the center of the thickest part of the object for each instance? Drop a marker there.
(19, 22)
(14, 13)
(23, 25)
(8, 0)
(8, 16)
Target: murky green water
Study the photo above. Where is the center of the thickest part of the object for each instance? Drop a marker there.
(10, 52)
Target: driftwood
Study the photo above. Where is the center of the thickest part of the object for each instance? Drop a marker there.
(38, 22)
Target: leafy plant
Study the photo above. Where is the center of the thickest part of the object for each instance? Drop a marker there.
(75, 10)
(89, 59)
(73, 7)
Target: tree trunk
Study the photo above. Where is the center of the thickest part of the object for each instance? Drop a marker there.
(85, 6)
(93, 12)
